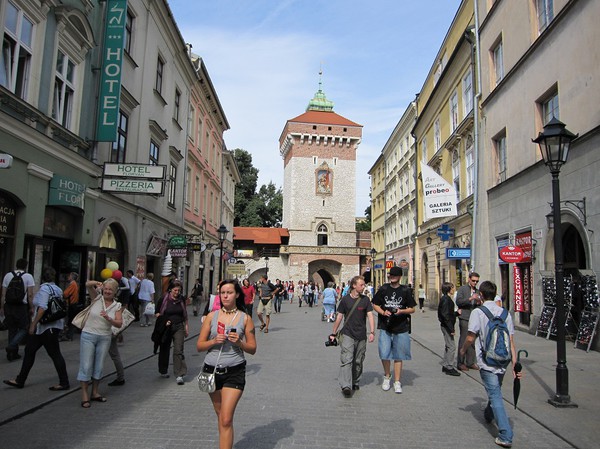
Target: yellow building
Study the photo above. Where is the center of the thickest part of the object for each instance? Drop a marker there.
(377, 173)
(446, 141)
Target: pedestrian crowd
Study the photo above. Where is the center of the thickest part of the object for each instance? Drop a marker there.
(485, 343)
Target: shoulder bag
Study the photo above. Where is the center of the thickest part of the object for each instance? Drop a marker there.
(81, 317)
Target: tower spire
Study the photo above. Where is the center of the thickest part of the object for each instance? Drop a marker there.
(320, 102)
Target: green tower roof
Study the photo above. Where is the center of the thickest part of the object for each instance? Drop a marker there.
(320, 101)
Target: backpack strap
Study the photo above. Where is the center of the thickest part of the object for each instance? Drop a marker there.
(487, 312)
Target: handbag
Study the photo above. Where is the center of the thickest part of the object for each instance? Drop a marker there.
(206, 381)
(81, 317)
(127, 318)
(57, 308)
(150, 309)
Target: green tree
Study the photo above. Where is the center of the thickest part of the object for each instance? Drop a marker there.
(255, 209)
(365, 225)
(245, 190)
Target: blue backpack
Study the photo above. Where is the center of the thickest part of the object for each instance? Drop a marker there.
(495, 350)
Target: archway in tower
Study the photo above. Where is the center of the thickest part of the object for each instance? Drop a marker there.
(323, 271)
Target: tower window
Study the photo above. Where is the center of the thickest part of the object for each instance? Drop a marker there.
(322, 235)
(314, 126)
(345, 129)
(329, 128)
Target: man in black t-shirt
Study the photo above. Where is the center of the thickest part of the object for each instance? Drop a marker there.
(354, 341)
(394, 304)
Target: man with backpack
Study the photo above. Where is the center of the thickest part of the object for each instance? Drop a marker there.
(495, 350)
(17, 300)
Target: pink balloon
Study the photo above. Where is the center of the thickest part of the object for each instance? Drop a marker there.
(117, 275)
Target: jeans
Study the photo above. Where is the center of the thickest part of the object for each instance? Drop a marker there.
(278, 300)
(351, 358)
(493, 386)
(92, 352)
(15, 336)
(49, 340)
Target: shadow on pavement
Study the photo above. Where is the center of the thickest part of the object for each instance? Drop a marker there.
(267, 436)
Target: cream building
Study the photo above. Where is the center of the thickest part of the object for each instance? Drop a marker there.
(377, 173)
(539, 59)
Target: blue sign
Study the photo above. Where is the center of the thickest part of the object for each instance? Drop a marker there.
(445, 232)
(458, 253)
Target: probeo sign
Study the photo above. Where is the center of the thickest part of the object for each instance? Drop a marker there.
(511, 254)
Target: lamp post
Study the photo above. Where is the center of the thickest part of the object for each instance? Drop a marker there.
(554, 143)
(373, 254)
(222, 234)
(267, 267)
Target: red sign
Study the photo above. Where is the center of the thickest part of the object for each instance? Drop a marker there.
(389, 264)
(511, 254)
(524, 242)
(518, 282)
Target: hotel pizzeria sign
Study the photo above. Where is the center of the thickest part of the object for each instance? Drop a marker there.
(134, 178)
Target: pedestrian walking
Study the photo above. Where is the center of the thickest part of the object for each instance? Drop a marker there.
(44, 334)
(226, 335)
(267, 292)
(146, 296)
(249, 294)
(17, 301)
(394, 305)
(492, 375)
(71, 295)
(422, 298)
(355, 309)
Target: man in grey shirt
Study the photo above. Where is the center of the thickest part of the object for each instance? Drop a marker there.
(266, 293)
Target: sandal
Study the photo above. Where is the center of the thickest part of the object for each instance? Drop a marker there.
(266, 331)
(86, 404)
(98, 399)
(59, 387)
(13, 383)
(262, 326)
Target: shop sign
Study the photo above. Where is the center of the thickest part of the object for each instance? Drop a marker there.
(110, 81)
(156, 247)
(501, 244)
(524, 242)
(177, 242)
(518, 283)
(244, 253)
(236, 269)
(404, 264)
(511, 254)
(439, 196)
(178, 252)
(135, 171)
(389, 264)
(132, 186)
(197, 247)
(5, 160)
(378, 266)
(458, 253)
(140, 267)
(66, 192)
(8, 214)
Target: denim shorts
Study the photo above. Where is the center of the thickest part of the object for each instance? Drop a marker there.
(394, 346)
(92, 352)
(329, 309)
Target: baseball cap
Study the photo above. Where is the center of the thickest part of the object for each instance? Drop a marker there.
(395, 271)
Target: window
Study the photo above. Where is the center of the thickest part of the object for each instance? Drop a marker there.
(160, 67)
(424, 158)
(197, 194)
(500, 148)
(64, 90)
(153, 153)
(467, 85)
(172, 183)
(322, 235)
(437, 135)
(191, 121)
(453, 111)
(177, 102)
(545, 13)
(128, 32)
(550, 108)
(200, 131)
(498, 62)
(456, 173)
(15, 59)
(470, 164)
(119, 148)
(188, 188)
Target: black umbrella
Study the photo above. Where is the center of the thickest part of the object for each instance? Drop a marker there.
(517, 382)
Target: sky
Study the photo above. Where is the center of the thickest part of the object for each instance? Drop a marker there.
(264, 58)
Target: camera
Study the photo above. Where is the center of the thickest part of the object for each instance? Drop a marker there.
(331, 341)
(393, 310)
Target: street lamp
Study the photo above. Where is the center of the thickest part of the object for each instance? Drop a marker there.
(222, 234)
(554, 143)
(267, 267)
(373, 254)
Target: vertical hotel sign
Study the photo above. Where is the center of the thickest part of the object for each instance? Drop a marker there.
(110, 82)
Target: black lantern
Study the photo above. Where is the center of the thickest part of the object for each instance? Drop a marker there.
(429, 240)
(554, 143)
(223, 231)
(373, 254)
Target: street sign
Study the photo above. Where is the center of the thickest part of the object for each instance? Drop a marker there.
(445, 232)
(135, 171)
(132, 186)
(177, 241)
(458, 253)
(511, 254)
(5, 160)
(236, 269)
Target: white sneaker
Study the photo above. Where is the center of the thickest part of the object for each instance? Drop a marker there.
(385, 386)
(397, 387)
(179, 380)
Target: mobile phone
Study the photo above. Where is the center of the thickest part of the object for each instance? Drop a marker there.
(233, 329)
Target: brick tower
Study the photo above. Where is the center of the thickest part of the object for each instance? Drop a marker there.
(319, 190)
